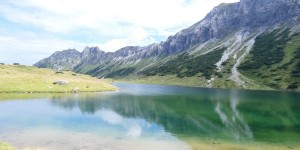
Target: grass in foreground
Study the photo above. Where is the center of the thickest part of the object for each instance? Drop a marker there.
(200, 144)
(26, 79)
(5, 146)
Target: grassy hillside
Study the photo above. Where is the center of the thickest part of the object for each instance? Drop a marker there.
(188, 66)
(274, 61)
(22, 79)
(165, 80)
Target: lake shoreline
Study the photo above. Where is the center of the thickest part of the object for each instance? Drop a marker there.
(53, 92)
(203, 87)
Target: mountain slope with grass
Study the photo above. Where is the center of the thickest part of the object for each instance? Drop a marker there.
(25, 79)
(251, 44)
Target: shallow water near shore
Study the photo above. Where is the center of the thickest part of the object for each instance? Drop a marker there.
(153, 117)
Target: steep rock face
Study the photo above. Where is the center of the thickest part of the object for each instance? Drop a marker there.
(127, 51)
(229, 18)
(71, 59)
(89, 57)
(63, 60)
(269, 12)
(92, 52)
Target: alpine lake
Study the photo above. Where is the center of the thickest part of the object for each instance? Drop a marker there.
(152, 117)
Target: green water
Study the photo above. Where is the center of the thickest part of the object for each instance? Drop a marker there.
(155, 113)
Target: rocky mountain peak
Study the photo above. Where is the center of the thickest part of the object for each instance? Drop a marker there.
(69, 58)
(229, 17)
(67, 52)
(127, 51)
(91, 51)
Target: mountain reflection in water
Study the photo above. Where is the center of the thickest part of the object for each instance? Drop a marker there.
(193, 112)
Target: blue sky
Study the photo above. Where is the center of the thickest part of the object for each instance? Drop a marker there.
(31, 30)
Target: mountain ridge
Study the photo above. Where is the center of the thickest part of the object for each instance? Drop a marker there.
(233, 27)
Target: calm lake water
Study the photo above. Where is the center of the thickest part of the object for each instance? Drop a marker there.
(150, 117)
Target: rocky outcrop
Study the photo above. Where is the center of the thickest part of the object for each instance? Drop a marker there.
(63, 60)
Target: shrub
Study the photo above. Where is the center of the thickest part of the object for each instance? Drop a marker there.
(292, 86)
(224, 63)
(296, 70)
(59, 72)
(219, 75)
(277, 79)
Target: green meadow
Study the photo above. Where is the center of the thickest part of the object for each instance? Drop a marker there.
(27, 79)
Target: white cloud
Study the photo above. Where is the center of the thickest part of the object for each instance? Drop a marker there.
(109, 24)
(68, 15)
(138, 37)
(28, 51)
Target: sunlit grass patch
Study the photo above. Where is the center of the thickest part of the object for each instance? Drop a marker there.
(6, 146)
(26, 79)
(202, 144)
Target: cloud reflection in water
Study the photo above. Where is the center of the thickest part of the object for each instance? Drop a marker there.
(134, 129)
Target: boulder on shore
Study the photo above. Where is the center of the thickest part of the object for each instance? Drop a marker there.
(75, 90)
(61, 82)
